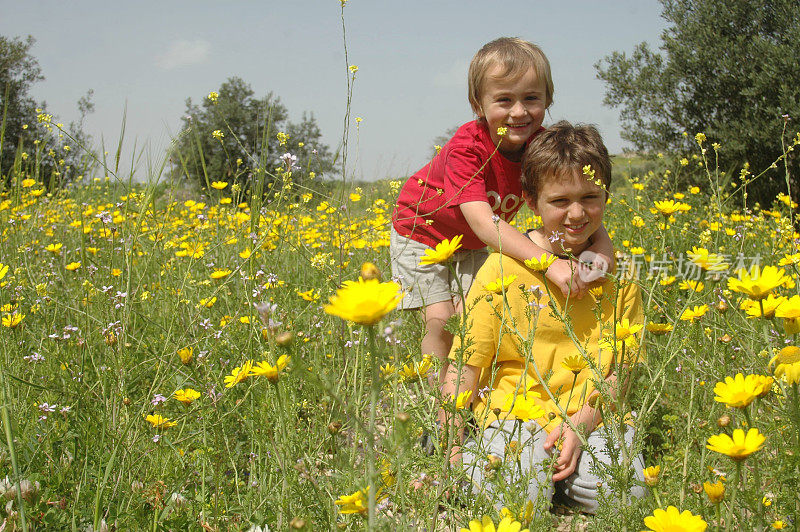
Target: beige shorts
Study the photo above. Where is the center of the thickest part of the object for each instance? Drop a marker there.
(431, 283)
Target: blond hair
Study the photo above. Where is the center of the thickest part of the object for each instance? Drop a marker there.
(514, 56)
(564, 147)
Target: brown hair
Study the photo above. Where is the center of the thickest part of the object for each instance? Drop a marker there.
(514, 56)
(562, 147)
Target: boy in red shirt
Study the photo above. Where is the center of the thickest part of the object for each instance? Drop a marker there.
(472, 188)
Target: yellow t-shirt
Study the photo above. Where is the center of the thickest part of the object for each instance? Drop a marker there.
(510, 339)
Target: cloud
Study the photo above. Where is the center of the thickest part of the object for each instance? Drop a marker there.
(183, 53)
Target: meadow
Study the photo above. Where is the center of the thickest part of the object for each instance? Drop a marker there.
(173, 360)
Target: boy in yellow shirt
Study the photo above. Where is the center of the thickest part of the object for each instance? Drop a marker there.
(536, 355)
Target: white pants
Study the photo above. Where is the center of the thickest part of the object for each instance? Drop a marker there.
(529, 471)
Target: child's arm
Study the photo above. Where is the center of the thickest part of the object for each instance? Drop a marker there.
(514, 244)
(602, 245)
(586, 420)
(469, 376)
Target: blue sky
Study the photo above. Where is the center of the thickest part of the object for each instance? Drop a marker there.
(412, 58)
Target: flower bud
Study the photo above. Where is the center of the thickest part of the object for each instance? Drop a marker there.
(297, 523)
(284, 339)
(29, 490)
(715, 492)
(651, 475)
(334, 427)
(370, 271)
(493, 462)
(724, 420)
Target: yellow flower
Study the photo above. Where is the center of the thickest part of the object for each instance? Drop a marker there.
(673, 520)
(659, 328)
(525, 514)
(778, 525)
(694, 314)
(187, 395)
(218, 185)
(790, 260)
(498, 285)
(769, 304)
(364, 302)
(265, 369)
(523, 406)
(245, 253)
(789, 310)
(186, 354)
(308, 295)
(443, 251)
(220, 274)
(695, 286)
(651, 475)
(213, 96)
(72, 266)
(3, 270)
(666, 280)
(356, 503)
(12, 321)
(740, 391)
(55, 249)
(160, 422)
(238, 374)
(715, 491)
(623, 334)
(217, 134)
(575, 364)
(670, 207)
(707, 261)
(757, 284)
(738, 447)
(506, 524)
(208, 302)
(501, 131)
(28, 183)
(415, 371)
(462, 400)
(542, 263)
(787, 364)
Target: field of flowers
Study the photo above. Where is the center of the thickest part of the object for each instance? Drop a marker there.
(174, 361)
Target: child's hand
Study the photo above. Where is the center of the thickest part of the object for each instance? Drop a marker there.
(570, 451)
(592, 268)
(564, 274)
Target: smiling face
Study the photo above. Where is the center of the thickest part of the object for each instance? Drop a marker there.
(571, 206)
(515, 104)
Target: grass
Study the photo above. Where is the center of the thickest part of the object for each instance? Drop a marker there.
(115, 296)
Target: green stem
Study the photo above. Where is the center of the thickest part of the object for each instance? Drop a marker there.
(11, 449)
(373, 401)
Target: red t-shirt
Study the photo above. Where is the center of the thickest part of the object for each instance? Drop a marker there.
(468, 168)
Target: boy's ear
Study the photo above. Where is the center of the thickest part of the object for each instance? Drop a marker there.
(530, 202)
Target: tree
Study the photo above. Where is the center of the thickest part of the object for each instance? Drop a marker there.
(31, 143)
(232, 136)
(727, 69)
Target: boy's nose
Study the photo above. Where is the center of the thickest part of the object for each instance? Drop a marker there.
(518, 109)
(575, 211)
